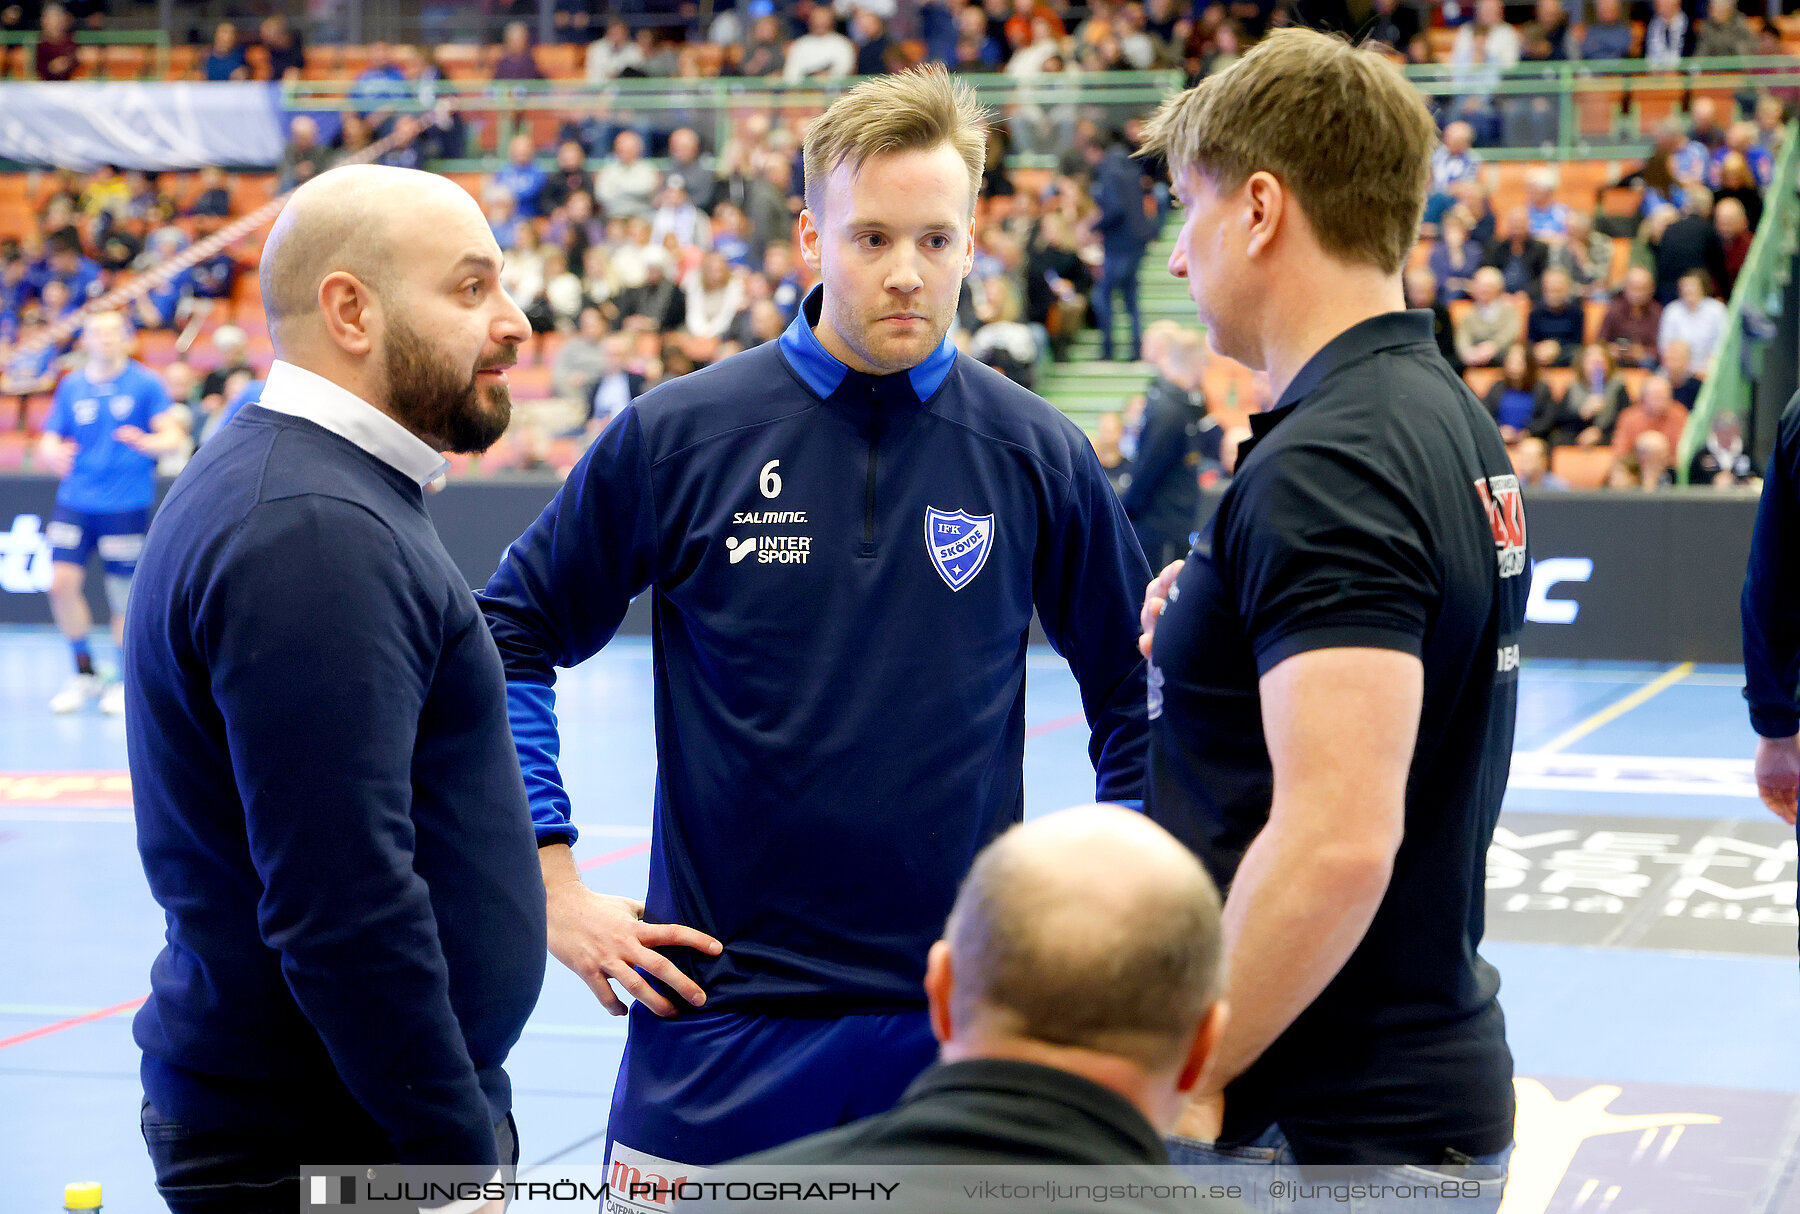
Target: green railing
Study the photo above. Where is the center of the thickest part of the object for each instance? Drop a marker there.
(155, 67)
(1729, 379)
(1599, 104)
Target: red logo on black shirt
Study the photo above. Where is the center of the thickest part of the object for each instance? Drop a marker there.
(1505, 507)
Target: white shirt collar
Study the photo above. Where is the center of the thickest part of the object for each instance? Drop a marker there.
(298, 392)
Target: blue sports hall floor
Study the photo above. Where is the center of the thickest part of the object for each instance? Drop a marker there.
(1641, 913)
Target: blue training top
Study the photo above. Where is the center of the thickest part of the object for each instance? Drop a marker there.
(844, 569)
(108, 477)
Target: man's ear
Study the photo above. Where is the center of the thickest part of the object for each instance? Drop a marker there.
(1206, 1040)
(1265, 211)
(940, 982)
(809, 240)
(349, 312)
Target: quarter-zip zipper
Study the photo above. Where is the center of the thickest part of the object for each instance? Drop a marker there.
(868, 544)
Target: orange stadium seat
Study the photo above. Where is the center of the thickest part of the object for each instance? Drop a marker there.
(1593, 311)
(1480, 379)
(1558, 380)
(1582, 467)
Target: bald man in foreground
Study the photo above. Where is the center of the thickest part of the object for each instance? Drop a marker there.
(329, 806)
(1074, 997)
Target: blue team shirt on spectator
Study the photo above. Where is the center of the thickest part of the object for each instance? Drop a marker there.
(108, 477)
(735, 248)
(1549, 223)
(219, 67)
(524, 182)
(1762, 165)
(83, 282)
(1692, 161)
(30, 364)
(167, 297)
(211, 279)
(377, 87)
(1448, 168)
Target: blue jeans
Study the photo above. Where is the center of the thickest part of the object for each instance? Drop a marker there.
(225, 1172)
(1479, 1184)
(1118, 274)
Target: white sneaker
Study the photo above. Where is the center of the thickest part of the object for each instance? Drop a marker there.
(80, 691)
(112, 699)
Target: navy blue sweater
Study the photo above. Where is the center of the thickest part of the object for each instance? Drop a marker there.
(329, 805)
(1771, 599)
(844, 568)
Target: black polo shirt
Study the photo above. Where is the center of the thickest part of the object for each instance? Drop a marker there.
(1375, 507)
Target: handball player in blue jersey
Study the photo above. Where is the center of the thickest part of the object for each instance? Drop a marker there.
(109, 425)
(844, 534)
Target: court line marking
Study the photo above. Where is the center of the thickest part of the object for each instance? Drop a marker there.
(45, 1030)
(624, 853)
(1054, 724)
(1617, 709)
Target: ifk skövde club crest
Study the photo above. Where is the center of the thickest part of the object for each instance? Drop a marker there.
(959, 543)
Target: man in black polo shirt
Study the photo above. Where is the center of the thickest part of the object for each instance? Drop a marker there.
(1334, 671)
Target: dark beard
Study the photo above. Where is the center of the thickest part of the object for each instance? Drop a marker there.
(435, 401)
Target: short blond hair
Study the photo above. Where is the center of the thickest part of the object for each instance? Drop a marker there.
(910, 111)
(1339, 125)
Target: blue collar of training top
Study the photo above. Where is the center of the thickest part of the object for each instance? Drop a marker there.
(822, 372)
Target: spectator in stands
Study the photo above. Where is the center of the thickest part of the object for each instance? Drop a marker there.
(1732, 227)
(56, 56)
(1693, 317)
(1741, 140)
(759, 322)
(1771, 124)
(1003, 341)
(1422, 292)
(685, 162)
(597, 282)
(1657, 411)
(614, 385)
(763, 55)
(226, 59)
(581, 357)
(677, 216)
(1453, 161)
(1531, 463)
(657, 300)
(630, 251)
(1724, 34)
(1547, 218)
(1471, 195)
(1590, 408)
(1555, 326)
(563, 297)
(1545, 39)
(69, 266)
(775, 205)
(165, 304)
(354, 137)
(660, 56)
(502, 215)
(1737, 183)
(1491, 325)
(787, 284)
(1684, 243)
(1632, 323)
(1723, 462)
(522, 178)
(1520, 401)
(518, 60)
(613, 55)
(575, 228)
(1608, 35)
(1520, 257)
(1057, 280)
(287, 55)
(873, 46)
(232, 346)
(713, 295)
(213, 200)
(303, 158)
(522, 277)
(1109, 427)
(31, 369)
(1678, 368)
(1163, 500)
(1669, 38)
(1126, 229)
(627, 182)
(1484, 48)
(1392, 23)
(1704, 128)
(570, 177)
(821, 52)
(1585, 256)
(378, 88)
(1455, 257)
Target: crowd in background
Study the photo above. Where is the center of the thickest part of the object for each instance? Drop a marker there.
(641, 252)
